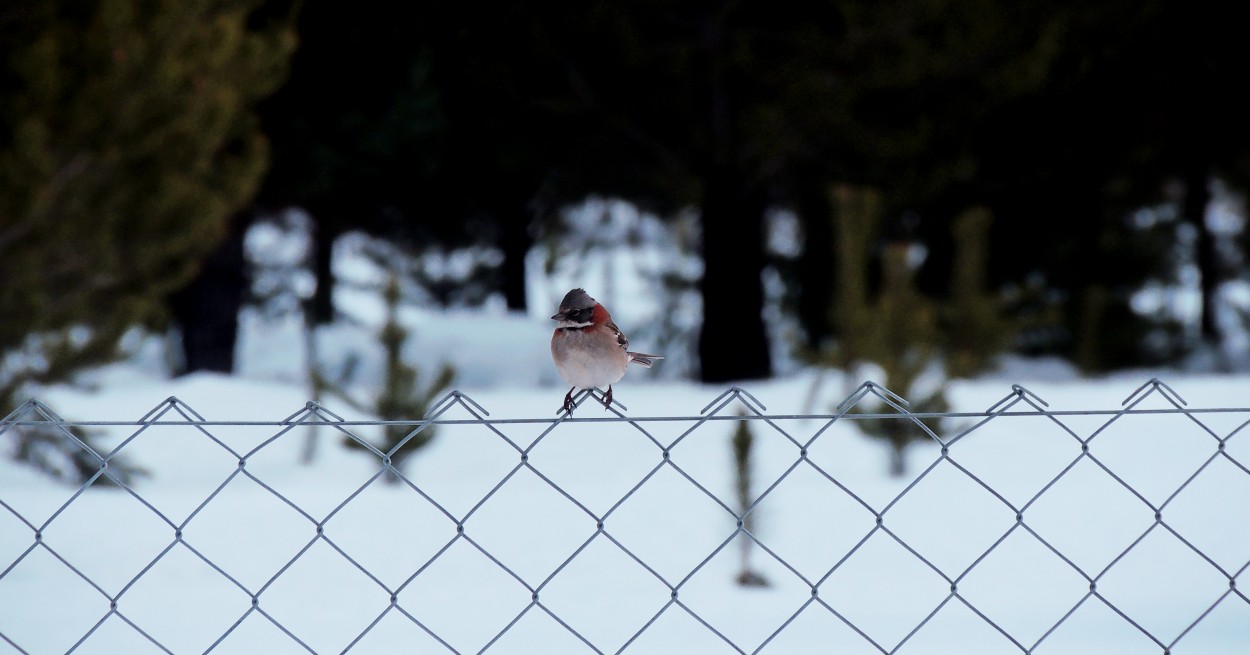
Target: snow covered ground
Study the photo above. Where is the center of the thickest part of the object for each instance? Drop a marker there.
(467, 596)
(307, 557)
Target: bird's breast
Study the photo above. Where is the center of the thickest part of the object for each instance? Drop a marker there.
(587, 360)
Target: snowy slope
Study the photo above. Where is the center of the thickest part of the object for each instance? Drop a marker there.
(604, 594)
(285, 557)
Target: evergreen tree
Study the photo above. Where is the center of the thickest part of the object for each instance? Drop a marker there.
(897, 98)
(354, 132)
(128, 140)
(893, 325)
(1138, 112)
(1181, 105)
(402, 396)
(974, 321)
(742, 442)
(905, 342)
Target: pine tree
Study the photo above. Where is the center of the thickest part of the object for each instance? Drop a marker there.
(905, 342)
(742, 442)
(916, 340)
(128, 141)
(855, 233)
(975, 322)
(402, 396)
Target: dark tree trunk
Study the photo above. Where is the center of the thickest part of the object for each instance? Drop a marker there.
(207, 310)
(321, 305)
(733, 344)
(1194, 209)
(516, 243)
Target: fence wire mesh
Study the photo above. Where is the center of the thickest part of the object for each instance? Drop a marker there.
(1020, 529)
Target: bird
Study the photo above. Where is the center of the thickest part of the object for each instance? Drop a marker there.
(588, 349)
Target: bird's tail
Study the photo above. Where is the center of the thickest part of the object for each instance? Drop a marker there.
(643, 358)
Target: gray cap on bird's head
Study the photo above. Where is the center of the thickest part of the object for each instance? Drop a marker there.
(577, 299)
(576, 310)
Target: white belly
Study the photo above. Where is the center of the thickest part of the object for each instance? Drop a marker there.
(588, 367)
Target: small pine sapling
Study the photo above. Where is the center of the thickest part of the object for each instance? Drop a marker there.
(402, 397)
(742, 442)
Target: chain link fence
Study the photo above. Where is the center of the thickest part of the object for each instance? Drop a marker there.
(1024, 529)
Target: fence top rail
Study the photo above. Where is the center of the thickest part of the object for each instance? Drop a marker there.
(889, 405)
(857, 416)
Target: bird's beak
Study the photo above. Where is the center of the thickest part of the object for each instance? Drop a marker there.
(559, 316)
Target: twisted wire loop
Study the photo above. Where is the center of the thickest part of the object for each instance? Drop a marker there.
(562, 547)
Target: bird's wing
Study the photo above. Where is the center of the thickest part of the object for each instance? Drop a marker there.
(621, 340)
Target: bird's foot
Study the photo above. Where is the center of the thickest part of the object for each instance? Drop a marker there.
(568, 406)
(607, 398)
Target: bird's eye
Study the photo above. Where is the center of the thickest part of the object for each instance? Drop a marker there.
(575, 313)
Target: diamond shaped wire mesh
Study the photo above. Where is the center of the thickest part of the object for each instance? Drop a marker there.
(635, 549)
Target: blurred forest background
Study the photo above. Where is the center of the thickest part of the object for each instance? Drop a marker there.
(966, 178)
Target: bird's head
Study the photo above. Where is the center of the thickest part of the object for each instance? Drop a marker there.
(579, 310)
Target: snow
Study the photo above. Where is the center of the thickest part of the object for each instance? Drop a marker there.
(279, 554)
(657, 512)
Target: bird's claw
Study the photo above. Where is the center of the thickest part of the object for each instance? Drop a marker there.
(568, 405)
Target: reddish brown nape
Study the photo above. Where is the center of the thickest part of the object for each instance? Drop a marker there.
(600, 315)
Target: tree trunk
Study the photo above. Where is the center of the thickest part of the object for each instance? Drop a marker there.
(516, 243)
(733, 344)
(207, 310)
(321, 305)
(898, 459)
(1194, 209)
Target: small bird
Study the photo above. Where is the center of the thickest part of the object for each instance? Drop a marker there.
(589, 350)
